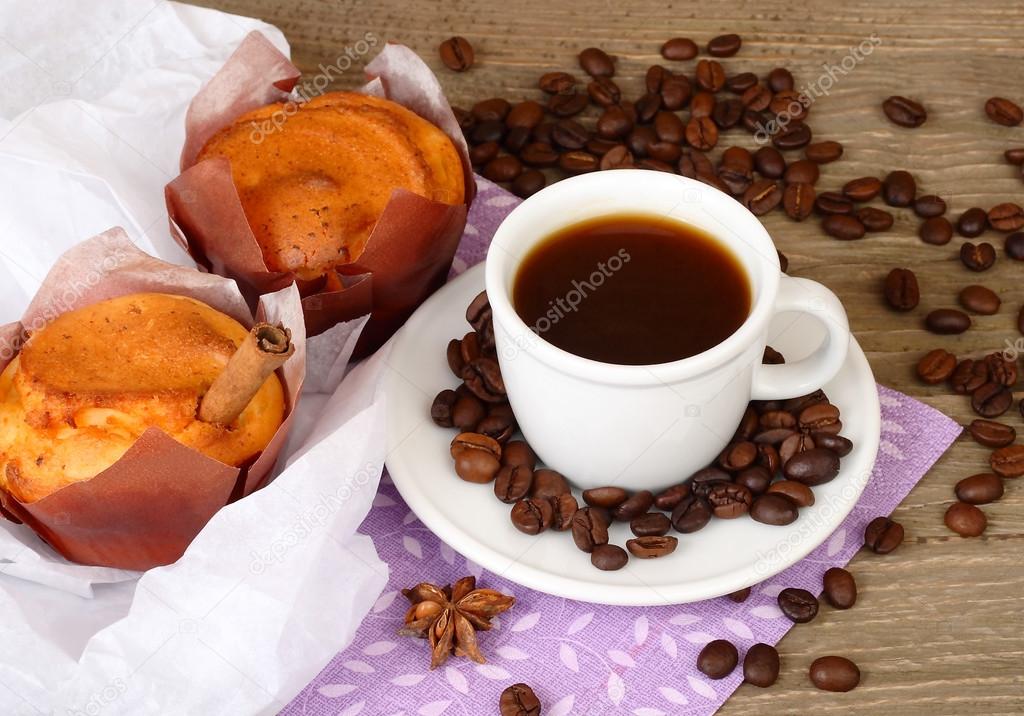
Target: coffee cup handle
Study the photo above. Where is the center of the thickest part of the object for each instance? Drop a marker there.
(791, 380)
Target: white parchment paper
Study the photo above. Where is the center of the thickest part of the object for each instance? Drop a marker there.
(92, 103)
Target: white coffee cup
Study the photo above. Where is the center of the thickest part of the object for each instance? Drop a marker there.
(648, 427)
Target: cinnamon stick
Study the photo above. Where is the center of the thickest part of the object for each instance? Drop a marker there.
(264, 350)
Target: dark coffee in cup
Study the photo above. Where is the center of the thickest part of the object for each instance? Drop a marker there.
(632, 289)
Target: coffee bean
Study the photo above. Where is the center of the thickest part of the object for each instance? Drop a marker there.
(769, 162)
(740, 595)
(727, 113)
(978, 257)
(936, 366)
(980, 299)
(557, 83)
(619, 157)
(701, 133)
(499, 424)
(516, 139)
(798, 201)
(456, 53)
(533, 515)
(824, 152)
(1008, 461)
(991, 400)
(549, 483)
(1020, 320)
(480, 154)
(843, 227)
(799, 605)
(790, 104)
(812, 467)
(875, 219)
(528, 183)
(972, 223)
(519, 700)
(862, 189)
(589, 528)
(947, 321)
(899, 188)
(1006, 217)
(773, 508)
(738, 84)
(836, 443)
(691, 514)
(901, 289)
(604, 92)
(794, 136)
(1001, 369)
(1014, 246)
(904, 111)
(635, 505)
(840, 589)
(489, 110)
(965, 519)
(761, 665)
(653, 524)
(578, 162)
(710, 75)
(569, 134)
(762, 196)
(502, 169)
(832, 202)
(1002, 111)
(882, 535)
(968, 376)
(513, 483)
(679, 48)
(609, 557)
(773, 419)
(794, 445)
(717, 659)
(596, 62)
(929, 206)
(756, 98)
(564, 508)
(979, 489)
(443, 406)
(539, 154)
(600, 147)
(819, 417)
(991, 434)
(737, 456)
(780, 79)
(799, 493)
(802, 171)
(567, 105)
(492, 130)
(755, 478)
(612, 124)
(729, 500)
(834, 673)
(724, 45)
(675, 91)
(652, 547)
(606, 497)
(1015, 156)
(467, 442)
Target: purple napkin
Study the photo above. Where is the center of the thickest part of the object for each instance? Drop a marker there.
(584, 658)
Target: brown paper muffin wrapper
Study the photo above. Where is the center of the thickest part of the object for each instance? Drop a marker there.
(410, 250)
(145, 509)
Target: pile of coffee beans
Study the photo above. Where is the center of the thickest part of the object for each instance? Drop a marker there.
(781, 450)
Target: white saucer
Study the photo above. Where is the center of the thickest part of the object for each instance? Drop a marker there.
(725, 556)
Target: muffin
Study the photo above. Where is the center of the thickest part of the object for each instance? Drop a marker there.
(85, 387)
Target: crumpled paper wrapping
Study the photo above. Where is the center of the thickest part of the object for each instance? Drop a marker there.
(410, 250)
(92, 113)
(145, 509)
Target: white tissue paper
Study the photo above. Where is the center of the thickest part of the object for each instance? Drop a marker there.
(92, 107)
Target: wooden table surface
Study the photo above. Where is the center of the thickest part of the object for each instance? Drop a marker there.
(939, 626)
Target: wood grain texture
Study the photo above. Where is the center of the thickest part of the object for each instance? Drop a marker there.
(939, 627)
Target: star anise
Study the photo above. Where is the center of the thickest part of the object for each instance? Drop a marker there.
(449, 617)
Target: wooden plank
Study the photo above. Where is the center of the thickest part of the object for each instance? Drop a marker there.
(939, 627)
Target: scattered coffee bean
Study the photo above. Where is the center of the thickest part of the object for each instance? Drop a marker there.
(875, 219)
(972, 223)
(653, 524)
(976, 257)
(1015, 156)
(693, 513)
(609, 557)
(532, 515)
(606, 497)
(729, 500)
(979, 489)
(773, 508)
(567, 105)
(834, 673)
(596, 62)
(578, 162)
(738, 84)
(992, 434)
(762, 196)
(904, 112)
(799, 493)
(564, 508)
(528, 183)
(539, 154)
(1002, 370)
(968, 376)
(457, 54)
(513, 483)
(840, 589)
(965, 519)
(755, 478)
(824, 152)
(618, 157)
(901, 289)
(557, 83)
(798, 201)
(929, 206)
(769, 162)
(740, 595)
(672, 496)
(780, 80)
(548, 483)
(701, 133)
(799, 605)
(899, 188)
(991, 400)
(862, 189)
(947, 321)
(882, 535)
(843, 227)
(812, 467)
(936, 366)
(518, 452)
(442, 408)
(589, 528)
(717, 659)
(724, 45)
(1002, 111)
(802, 171)
(794, 136)
(980, 299)
(832, 202)
(1006, 217)
(936, 231)
(679, 48)
(519, 700)
(761, 665)
(1008, 461)
(710, 75)
(1014, 246)
(635, 505)
(652, 547)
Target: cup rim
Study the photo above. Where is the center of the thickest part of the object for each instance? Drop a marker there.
(723, 206)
